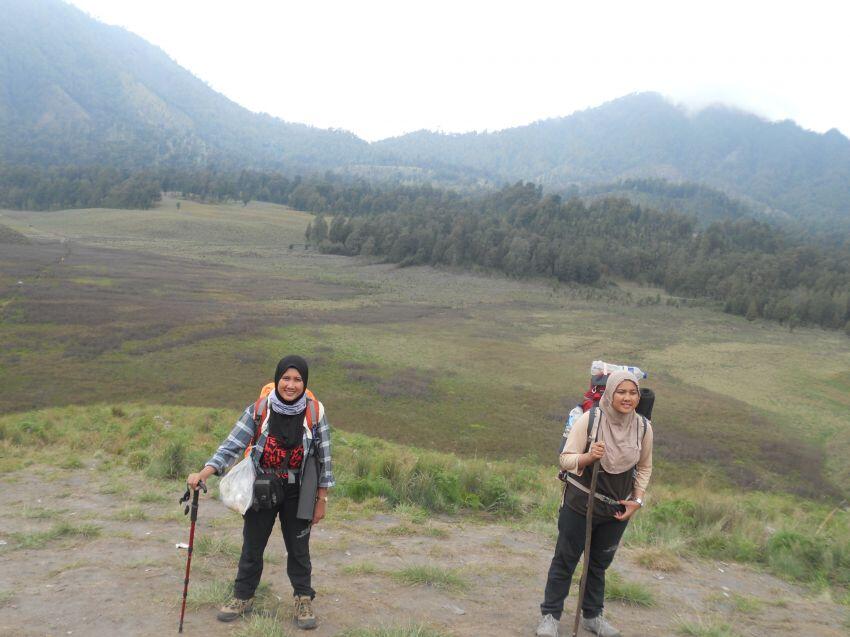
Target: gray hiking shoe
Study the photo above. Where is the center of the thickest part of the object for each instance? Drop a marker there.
(234, 609)
(305, 618)
(548, 627)
(600, 626)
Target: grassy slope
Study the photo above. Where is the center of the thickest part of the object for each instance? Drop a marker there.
(790, 536)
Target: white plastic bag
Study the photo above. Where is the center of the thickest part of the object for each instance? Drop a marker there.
(237, 487)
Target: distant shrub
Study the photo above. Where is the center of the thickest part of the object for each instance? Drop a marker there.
(142, 427)
(797, 556)
(432, 481)
(171, 463)
(72, 463)
(679, 513)
(34, 430)
(138, 459)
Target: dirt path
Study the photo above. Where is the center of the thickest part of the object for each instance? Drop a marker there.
(127, 579)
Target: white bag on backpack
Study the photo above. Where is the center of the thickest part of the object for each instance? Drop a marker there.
(237, 487)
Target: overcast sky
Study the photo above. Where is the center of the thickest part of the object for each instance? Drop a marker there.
(383, 68)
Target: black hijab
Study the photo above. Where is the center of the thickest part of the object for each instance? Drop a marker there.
(297, 363)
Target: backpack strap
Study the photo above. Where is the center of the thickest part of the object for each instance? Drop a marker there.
(592, 427)
(312, 413)
(259, 415)
(645, 422)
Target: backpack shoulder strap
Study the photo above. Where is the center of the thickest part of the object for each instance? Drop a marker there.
(313, 412)
(260, 406)
(592, 427)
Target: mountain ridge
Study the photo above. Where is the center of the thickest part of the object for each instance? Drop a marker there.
(74, 91)
(79, 91)
(643, 135)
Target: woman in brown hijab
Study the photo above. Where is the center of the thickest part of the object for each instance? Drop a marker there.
(623, 446)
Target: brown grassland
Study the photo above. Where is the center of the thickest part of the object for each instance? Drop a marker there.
(131, 340)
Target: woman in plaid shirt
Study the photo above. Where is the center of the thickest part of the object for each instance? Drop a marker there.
(289, 440)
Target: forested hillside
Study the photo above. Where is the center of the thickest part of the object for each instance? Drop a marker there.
(75, 91)
(705, 203)
(779, 166)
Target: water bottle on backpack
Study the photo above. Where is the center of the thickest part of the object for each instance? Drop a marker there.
(601, 368)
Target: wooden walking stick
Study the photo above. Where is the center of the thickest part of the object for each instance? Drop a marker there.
(591, 498)
(193, 517)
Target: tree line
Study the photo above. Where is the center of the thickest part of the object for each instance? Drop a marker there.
(53, 188)
(749, 267)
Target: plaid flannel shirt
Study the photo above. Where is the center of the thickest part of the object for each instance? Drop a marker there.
(243, 432)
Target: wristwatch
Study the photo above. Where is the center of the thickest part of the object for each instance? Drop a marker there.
(324, 499)
(638, 500)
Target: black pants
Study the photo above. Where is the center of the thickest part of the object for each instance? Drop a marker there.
(257, 528)
(605, 538)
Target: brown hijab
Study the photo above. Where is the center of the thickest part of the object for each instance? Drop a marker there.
(620, 432)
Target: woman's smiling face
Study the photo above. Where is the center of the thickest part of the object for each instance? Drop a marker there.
(291, 385)
(626, 397)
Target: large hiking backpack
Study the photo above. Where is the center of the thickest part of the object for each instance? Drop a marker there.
(590, 401)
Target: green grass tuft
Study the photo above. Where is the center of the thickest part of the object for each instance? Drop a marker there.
(40, 539)
(705, 629)
(218, 592)
(40, 513)
(152, 497)
(217, 546)
(746, 604)
(657, 559)
(361, 569)
(130, 514)
(72, 462)
(171, 463)
(435, 576)
(395, 631)
(265, 625)
(631, 593)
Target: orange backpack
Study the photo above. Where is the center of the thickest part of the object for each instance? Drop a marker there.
(260, 405)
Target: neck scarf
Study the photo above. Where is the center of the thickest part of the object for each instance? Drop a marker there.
(288, 409)
(620, 432)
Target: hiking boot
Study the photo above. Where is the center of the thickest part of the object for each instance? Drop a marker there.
(548, 627)
(600, 626)
(234, 609)
(304, 616)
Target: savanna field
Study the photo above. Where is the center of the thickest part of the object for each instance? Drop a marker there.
(131, 341)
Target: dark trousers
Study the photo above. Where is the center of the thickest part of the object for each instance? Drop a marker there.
(605, 538)
(257, 528)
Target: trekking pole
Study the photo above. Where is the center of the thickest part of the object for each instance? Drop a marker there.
(194, 518)
(591, 498)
